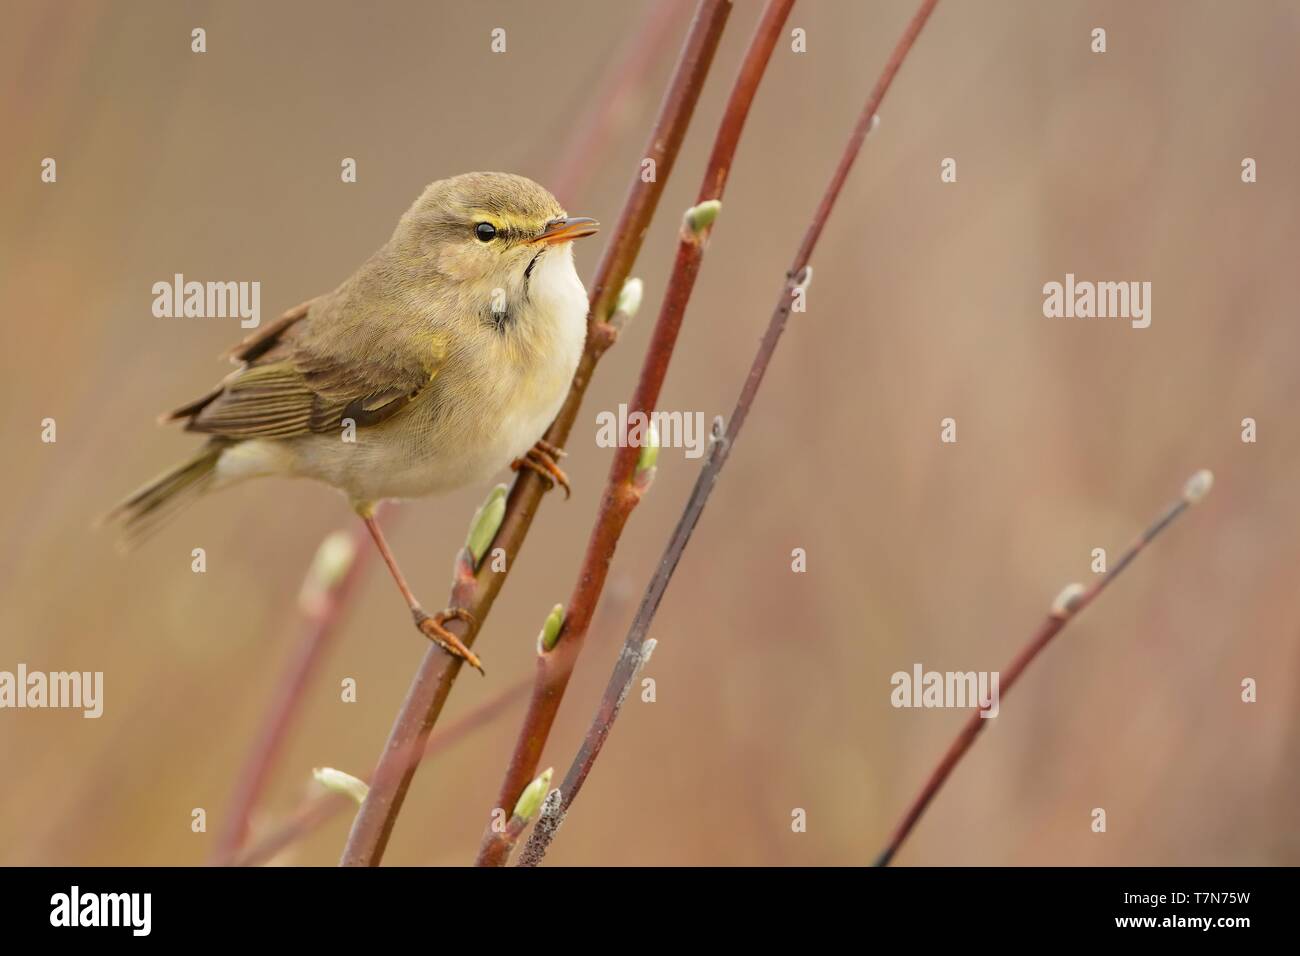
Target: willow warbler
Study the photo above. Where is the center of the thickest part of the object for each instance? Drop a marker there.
(442, 359)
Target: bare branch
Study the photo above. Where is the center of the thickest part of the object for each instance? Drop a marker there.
(719, 451)
(1073, 599)
(437, 672)
(326, 602)
(313, 813)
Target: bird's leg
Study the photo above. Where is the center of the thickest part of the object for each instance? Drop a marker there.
(430, 627)
(541, 458)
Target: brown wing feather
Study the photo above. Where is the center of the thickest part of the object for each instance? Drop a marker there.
(258, 401)
(246, 351)
(264, 339)
(284, 389)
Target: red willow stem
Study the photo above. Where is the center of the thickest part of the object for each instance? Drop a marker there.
(318, 810)
(321, 625)
(582, 155)
(433, 681)
(1068, 606)
(622, 492)
(633, 655)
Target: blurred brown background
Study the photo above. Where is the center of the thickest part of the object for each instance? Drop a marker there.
(773, 687)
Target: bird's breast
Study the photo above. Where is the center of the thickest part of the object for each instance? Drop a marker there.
(542, 352)
(488, 404)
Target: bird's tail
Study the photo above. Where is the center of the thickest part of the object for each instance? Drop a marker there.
(148, 508)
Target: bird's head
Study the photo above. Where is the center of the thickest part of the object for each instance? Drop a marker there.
(488, 231)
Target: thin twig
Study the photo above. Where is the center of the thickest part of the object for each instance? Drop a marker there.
(630, 663)
(627, 73)
(321, 625)
(622, 491)
(719, 451)
(1072, 600)
(438, 671)
(318, 810)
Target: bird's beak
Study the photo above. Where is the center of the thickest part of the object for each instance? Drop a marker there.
(566, 229)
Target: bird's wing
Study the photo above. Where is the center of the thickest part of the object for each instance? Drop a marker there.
(266, 338)
(288, 385)
(245, 352)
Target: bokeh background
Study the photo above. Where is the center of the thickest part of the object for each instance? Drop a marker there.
(773, 687)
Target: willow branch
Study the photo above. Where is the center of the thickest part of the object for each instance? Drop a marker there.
(437, 673)
(1071, 601)
(324, 604)
(634, 647)
(622, 490)
(627, 74)
(320, 809)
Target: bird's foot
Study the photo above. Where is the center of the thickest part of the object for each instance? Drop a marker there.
(541, 458)
(433, 629)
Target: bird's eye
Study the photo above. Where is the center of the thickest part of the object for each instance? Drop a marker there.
(485, 231)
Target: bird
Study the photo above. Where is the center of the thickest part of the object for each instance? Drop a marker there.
(437, 363)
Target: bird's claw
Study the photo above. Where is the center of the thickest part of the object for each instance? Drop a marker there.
(541, 459)
(433, 629)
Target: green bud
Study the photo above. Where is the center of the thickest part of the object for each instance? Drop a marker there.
(699, 218)
(629, 297)
(530, 801)
(1198, 486)
(340, 782)
(1067, 602)
(333, 559)
(649, 451)
(550, 632)
(486, 523)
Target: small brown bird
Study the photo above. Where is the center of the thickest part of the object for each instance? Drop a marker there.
(441, 360)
